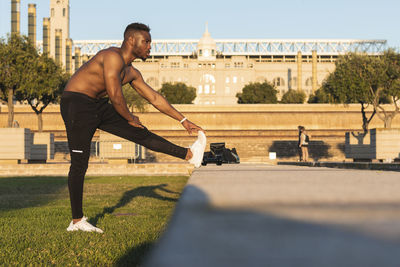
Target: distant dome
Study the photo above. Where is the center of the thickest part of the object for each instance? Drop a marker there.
(206, 39)
(206, 47)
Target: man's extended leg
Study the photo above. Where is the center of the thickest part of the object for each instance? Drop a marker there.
(113, 123)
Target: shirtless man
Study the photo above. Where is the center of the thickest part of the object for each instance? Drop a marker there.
(84, 109)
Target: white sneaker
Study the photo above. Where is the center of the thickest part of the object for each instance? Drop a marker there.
(197, 149)
(83, 225)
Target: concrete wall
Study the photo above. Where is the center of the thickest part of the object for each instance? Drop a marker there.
(254, 130)
(15, 143)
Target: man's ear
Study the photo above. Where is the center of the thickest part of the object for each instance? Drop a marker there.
(132, 40)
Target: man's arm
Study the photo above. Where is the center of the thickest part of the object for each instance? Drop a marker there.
(113, 65)
(158, 101)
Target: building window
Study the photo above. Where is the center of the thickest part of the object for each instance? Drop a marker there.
(278, 81)
(200, 65)
(213, 66)
(186, 65)
(238, 65)
(227, 80)
(213, 52)
(250, 65)
(227, 65)
(200, 52)
(234, 79)
(207, 89)
(200, 89)
(63, 12)
(208, 78)
(207, 82)
(309, 81)
(52, 12)
(175, 65)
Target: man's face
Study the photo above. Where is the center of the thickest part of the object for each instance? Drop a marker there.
(142, 45)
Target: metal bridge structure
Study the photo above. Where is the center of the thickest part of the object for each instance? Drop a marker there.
(246, 47)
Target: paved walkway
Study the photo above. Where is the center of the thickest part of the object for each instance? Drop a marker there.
(260, 215)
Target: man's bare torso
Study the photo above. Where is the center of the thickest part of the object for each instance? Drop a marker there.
(89, 79)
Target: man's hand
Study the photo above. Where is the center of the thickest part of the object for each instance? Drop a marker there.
(135, 122)
(191, 127)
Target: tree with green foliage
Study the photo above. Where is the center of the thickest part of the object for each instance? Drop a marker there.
(43, 86)
(368, 80)
(351, 82)
(319, 96)
(258, 93)
(390, 90)
(178, 93)
(133, 99)
(17, 55)
(293, 97)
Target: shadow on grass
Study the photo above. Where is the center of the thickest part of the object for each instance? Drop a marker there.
(24, 192)
(135, 255)
(142, 191)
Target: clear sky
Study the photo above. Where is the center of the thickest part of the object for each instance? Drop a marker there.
(227, 19)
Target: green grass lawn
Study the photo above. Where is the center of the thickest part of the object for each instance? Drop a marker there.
(132, 210)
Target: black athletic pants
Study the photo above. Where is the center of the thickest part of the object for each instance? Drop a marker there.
(82, 115)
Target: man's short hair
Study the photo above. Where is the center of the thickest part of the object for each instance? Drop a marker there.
(133, 27)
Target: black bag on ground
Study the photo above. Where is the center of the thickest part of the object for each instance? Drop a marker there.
(220, 154)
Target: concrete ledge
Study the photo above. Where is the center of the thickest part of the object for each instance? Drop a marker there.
(347, 165)
(260, 215)
(98, 169)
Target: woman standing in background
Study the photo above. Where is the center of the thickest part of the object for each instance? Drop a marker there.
(304, 140)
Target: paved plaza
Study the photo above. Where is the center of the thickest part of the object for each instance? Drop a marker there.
(262, 215)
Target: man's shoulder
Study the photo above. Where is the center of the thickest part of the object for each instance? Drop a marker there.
(110, 52)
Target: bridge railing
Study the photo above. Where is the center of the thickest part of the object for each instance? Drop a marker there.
(246, 47)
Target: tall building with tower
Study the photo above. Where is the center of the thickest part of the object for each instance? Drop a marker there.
(46, 36)
(32, 23)
(58, 30)
(15, 16)
(56, 41)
